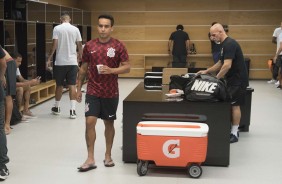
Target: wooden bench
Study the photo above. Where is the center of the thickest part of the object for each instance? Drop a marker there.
(42, 92)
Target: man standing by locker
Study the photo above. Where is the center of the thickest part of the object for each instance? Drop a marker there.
(4, 172)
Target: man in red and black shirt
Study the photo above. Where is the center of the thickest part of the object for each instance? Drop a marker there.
(103, 59)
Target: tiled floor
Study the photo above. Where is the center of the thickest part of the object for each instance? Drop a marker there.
(47, 150)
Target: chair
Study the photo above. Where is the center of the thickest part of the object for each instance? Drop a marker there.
(167, 72)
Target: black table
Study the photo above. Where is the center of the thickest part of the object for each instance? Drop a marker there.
(140, 101)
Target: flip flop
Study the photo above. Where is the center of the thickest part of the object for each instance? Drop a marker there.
(87, 167)
(109, 163)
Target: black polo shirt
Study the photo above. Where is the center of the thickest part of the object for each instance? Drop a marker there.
(237, 74)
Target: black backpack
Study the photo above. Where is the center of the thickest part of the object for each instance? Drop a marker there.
(206, 88)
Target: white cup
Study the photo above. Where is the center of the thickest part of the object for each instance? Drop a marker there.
(98, 68)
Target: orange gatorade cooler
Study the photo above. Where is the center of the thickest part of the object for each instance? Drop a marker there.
(178, 144)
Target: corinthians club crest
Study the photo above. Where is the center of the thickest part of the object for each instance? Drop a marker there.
(111, 52)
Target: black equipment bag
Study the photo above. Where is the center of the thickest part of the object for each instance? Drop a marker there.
(179, 82)
(174, 117)
(206, 88)
(16, 114)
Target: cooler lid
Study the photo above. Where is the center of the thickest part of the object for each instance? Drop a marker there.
(160, 128)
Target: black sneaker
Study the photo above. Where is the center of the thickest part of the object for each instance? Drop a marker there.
(4, 173)
(233, 138)
(56, 110)
(72, 114)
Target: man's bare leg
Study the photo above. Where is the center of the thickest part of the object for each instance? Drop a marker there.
(109, 136)
(58, 93)
(26, 98)
(236, 115)
(72, 92)
(90, 137)
(8, 113)
(19, 96)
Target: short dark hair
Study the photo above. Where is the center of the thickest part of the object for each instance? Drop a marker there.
(65, 13)
(213, 23)
(15, 55)
(225, 27)
(179, 26)
(106, 16)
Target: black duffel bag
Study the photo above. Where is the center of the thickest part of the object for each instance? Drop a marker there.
(178, 82)
(206, 88)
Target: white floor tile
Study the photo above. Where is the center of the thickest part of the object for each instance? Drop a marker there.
(47, 150)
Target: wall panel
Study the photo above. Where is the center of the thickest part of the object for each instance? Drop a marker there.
(136, 61)
(125, 18)
(254, 5)
(134, 73)
(245, 32)
(184, 5)
(258, 47)
(249, 32)
(263, 17)
(68, 3)
(145, 26)
(260, 74)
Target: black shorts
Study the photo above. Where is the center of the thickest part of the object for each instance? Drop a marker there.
(104, 108)
(66, 72)
(11, 78)
(237, 94)
(278, 62)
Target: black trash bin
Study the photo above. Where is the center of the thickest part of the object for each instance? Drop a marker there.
(247, 62)
(246, 111)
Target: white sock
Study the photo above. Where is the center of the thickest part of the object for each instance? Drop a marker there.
(234, 129)
(57, 103)
(72, 103)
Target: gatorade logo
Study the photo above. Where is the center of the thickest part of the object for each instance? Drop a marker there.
(208, 87)
(170, 148)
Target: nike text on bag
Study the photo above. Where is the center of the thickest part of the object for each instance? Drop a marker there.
(206, 88)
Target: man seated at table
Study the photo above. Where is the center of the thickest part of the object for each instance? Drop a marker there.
(23, 88)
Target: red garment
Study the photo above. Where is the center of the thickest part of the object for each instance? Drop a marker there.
(111, 54)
